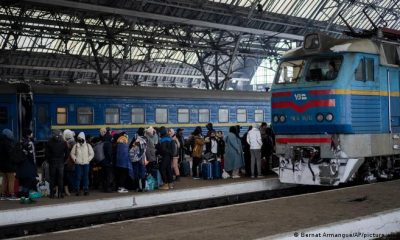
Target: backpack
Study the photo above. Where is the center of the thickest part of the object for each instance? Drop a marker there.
(137, 152)
(98, 150)
(17, 153)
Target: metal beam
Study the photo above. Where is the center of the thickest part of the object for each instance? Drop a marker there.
(158, 17)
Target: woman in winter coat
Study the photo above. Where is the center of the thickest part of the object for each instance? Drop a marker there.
(233, 153)
(69, 167)
(165, 150)
(7, 164)
(123, 162)
(26, 170)
(197, 150)
(82, 153)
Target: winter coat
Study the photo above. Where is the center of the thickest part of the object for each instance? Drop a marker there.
(122, 158)
(82, 153)
(198, 146)
(233, 158)
(7, 165)
(254, 138)
(165, 148)
(151, 150)
(107, 148)
(56, 150)
(27, 168)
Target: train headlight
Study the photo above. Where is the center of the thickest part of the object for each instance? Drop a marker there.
(329, 117)
(320, 117)
(276, 118)
(282, 118)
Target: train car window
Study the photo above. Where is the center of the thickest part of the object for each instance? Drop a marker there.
(365, 70)
(42, 114)
(112, 115)
(137, 115)
(391, 53)
(3, 115)
(290, 71)
(259, 115)
(324, 69)
(183, 115)
(161, 115)
(204, 115)
(223, 115)
(85, 115)
(61, 115)
(241, 115)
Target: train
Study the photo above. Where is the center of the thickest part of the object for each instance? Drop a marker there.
(87, 108)
(336, 111)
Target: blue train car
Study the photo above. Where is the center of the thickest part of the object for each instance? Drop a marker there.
(336, 111)
(89, 107)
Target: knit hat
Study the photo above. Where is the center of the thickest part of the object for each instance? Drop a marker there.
(8, 133)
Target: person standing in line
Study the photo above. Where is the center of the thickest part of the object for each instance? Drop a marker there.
(107, 167)
(181, 139)
(26, 170)
(7, 165)
(246, 152)
(56, 155)
(137, 155)
(123, 164)
(69, 168)
(165, 150)
(196, 141)
(175, 153)
(82, 153)
(233, 153)
(255, 142)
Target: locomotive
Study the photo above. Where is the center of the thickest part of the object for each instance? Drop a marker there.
(88, 108)
(336, 111)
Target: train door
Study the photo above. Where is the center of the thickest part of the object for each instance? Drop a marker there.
(25, 108)
(42, 121)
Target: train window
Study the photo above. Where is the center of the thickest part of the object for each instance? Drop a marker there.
(290, 71)
(183, 115)
(204, 115)
(259, 115)
(223, 115)
(61, 115)
(161, 115)
(365, 70)
(112, 115)
(3, 115)
(85, 115)
(241, 115)
(322, 69)
(137, 115)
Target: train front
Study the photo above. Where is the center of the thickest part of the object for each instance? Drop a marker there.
(309, 114)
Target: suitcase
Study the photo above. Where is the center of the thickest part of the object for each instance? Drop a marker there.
(206, 170)
(216, 169)
(185, 168)
(157, 178)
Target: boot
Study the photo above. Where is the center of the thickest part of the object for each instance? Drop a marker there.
(66, 190)
(177, 178)
(170, 185)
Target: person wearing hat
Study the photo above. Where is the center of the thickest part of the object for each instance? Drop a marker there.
(56, 155)
(165, 149)
(82, 153)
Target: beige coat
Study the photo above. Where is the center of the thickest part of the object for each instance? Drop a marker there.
(82, 153)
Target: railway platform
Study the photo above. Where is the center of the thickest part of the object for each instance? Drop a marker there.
(13, 213)
(359, 212)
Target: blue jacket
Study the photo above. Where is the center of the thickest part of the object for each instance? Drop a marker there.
(233, 153)
(123, 160)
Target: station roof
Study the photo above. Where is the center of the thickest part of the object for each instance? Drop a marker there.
(201, 44)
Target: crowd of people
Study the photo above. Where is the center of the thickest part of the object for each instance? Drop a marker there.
(126, 161)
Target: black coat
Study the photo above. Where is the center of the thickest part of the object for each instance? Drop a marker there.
(56, 151)
(7, 165)
(27, 168)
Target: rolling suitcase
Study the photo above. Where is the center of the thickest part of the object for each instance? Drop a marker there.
(206, 170)
(216, 169)
(185, 168)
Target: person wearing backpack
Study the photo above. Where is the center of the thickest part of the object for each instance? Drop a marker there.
(56, 155)
(7, 165)
(82, 153)
(137, 155)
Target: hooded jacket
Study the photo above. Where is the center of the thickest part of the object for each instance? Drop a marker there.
(82, 153)
(56, 149)
(254, 138)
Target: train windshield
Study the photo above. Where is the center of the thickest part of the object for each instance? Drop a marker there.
(323, 69)
(290, 71)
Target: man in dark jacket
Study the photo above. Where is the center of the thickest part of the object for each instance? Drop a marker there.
(107, 165)
(56, 154)
(26, 169)
(7, 164)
